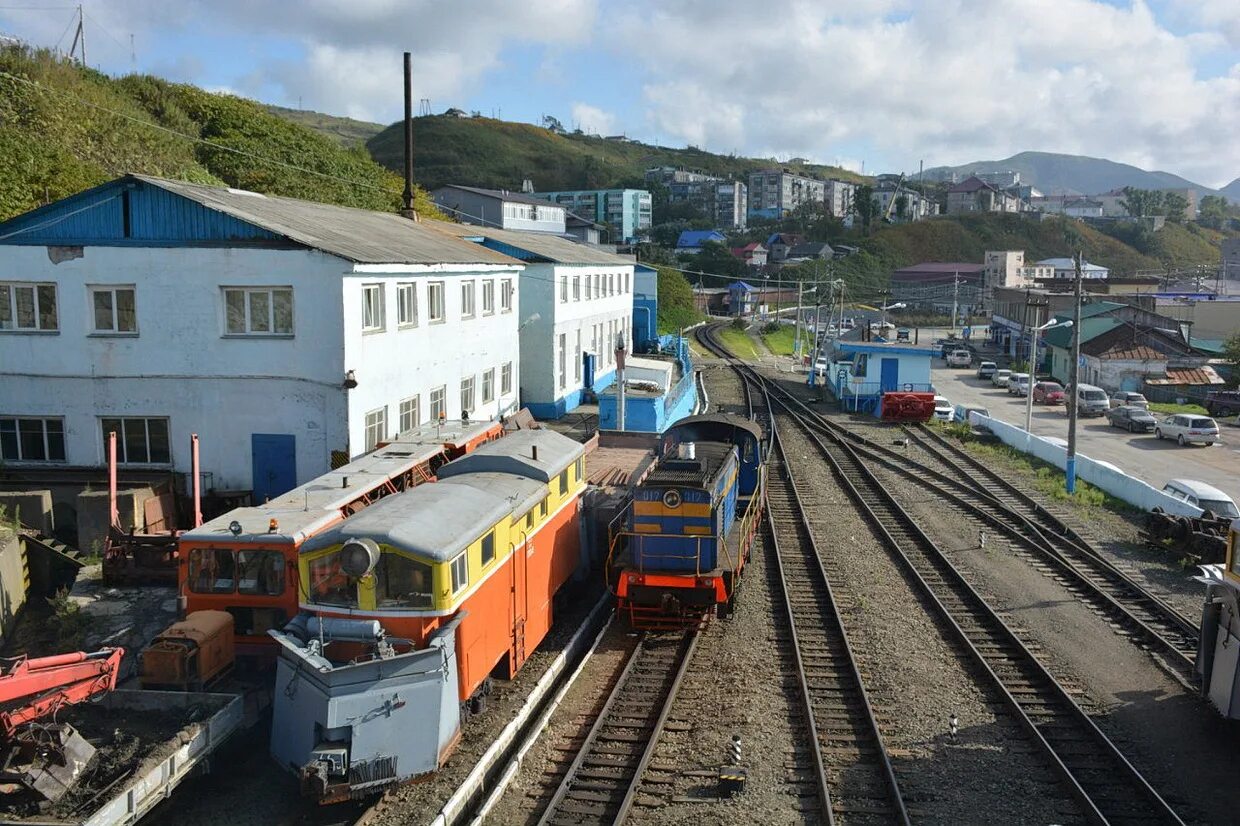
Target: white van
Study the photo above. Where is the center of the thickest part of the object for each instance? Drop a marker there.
(1206, 497)
(1090, 400)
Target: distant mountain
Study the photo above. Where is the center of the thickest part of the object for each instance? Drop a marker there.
(1232, 191)
(1054, 173)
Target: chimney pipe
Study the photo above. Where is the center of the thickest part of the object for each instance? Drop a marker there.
(407, 198)
(534, 452)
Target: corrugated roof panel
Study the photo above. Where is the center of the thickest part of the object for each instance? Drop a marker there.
(531, 246)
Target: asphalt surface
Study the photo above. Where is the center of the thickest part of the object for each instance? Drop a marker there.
(1139, 455)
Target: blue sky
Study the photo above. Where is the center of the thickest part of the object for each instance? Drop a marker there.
(884, 83)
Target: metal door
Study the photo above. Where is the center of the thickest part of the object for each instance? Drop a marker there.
(889, 378)
(274, 465)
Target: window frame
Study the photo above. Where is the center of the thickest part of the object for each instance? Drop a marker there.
(10, 288)
(17, 437)
(505, 295)
(463, 572)
(379, 308)
(469, 299)
(436, 302)
(468, 381)
(122, 439)
(482, 548)
(576, 287)
(442, 392)
(505, 379)
(564, 289)
(488, 296)
(564, 482)
(488, 386)
(113, 290)
(369, 425)
(247, 319)
(410, 409)
(406, 310)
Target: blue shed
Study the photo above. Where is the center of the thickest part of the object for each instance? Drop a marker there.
(861, 371)
(645, 308)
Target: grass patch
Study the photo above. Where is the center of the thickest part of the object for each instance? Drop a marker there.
(1171, 409)
(738, 343)
(780, 341)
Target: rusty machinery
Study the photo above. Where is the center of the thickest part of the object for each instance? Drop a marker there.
(191, 653)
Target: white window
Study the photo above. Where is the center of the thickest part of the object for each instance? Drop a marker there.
(626, 283)
(410, 413)
(467, 396)
(28, 306)
(434, 302)
(488, 386)
(460, 574)
(488, 297)
(28, 439)
(439, 403)
(505, 295)
(576, 288)
(407, 305)
(563, 289)
(376, 427)
(577, 360)
(505, 379)
(598, 285)
(258, 311)
(588, 290)
(372, 307)
(467, 299)
(139, 441)
(113, 310)
(563, 358)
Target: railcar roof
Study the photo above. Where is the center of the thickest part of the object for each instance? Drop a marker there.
(515, 454)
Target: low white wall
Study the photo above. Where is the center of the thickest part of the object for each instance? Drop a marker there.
(1115, 482)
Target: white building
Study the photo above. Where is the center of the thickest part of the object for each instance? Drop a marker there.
(282, 332)
(501, 209)
(773, 193)
(1066, 268)
(576, 306)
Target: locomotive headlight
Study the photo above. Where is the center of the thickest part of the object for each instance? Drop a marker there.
(671, 499)
(358, 557)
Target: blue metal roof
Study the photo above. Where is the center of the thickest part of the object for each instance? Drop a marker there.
(696, 237)
(741, 286)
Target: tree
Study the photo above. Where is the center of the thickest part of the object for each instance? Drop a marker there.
(1231, 354)
(553, 123)
(1175, 206)
(1214, 212)
(676, 306)
(864, 205)
(718, 259)
(902, 207)
(1140, 203)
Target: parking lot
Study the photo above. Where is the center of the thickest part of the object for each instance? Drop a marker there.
(1139, 455)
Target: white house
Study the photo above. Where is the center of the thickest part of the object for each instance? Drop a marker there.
(576, 306)
(501, 208)
(282, 332)
(1066, 268)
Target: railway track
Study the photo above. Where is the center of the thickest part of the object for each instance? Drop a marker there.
(1106, 785)
(600, 785)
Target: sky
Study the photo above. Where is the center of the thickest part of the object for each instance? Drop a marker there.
(872, 85)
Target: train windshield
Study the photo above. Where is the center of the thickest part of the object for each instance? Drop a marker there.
(226, 571)
(401, 582)
(329, 585)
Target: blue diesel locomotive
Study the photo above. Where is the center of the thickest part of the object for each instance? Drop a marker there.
(683, 541)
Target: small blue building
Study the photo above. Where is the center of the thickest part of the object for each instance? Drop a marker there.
(742, 298)
(648, 409)
(861, 371)
(691, 240)
(645, 308)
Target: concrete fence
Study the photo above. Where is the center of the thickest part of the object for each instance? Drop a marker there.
(1100, 475)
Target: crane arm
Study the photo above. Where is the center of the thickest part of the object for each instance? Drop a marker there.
(47, 684)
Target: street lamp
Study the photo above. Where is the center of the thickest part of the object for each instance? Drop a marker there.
(1033, 360)
(882, 325)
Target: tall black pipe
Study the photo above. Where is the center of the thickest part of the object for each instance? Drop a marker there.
(407, 207)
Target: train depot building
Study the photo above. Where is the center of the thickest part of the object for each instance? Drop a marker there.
(865, 376)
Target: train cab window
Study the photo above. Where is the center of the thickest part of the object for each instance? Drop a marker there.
(328, 584)
(261, 572)
(401, 582)
(529, 518)
(579, 469)
(563, 481)
(748, 457)
(460, 574)
(488, 548)
(542, 507)
(212, 571)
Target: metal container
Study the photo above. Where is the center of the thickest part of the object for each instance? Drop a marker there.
(190, 653)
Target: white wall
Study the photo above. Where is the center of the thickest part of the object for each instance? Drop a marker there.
(400, 362)
(180, 365)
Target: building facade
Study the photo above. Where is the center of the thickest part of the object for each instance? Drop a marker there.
(774, 193)
(1062, 268)
(500, 209)
(975, 195)
(628, 212)
(277, 330)
(938, 287)
(645, 308)
(839, 198)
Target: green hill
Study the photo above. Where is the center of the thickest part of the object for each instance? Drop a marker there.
(346, 131)
(477, 151)
(64, 128)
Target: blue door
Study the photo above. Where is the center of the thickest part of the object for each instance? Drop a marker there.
(587, 370)
(889, 378)
(274, 466)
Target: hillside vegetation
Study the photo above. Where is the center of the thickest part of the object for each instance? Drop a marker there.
(64, 128)
(500, 155)
(346, 131)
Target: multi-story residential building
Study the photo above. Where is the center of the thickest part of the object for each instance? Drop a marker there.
(668, 175)
(1007, 268)
(500, 208)
(720, 201)
(774, 193)
(627, 212)
(975, 195)
(576, 307)
(916, 207)
(839, 198)
(1066, 268)
(282, 332)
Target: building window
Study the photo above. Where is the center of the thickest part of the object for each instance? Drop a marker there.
(488, 548)
(410, 413)
(139, 441)
(505, 295)
(113, 310)
(563, 359)
(488, 297)
(28, 307)
(577, 358)
(467, 395)
(467, 299)
(439, 403)
(626, 283)
(586, 278)
(407, 305)
(563, 289)
(460, 574)
(376, 427)
(263, 311)
(32, 439)
(434, 302)
(372, 307)
(505, 379)
(488, 386)
(576, 288)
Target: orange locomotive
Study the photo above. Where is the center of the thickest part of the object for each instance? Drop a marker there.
(245, 562)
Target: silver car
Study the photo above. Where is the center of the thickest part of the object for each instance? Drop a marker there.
(1186, 428)
(1000, 377)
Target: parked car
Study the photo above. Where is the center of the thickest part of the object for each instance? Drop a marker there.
(962, 411)
(820, 366)
(1048, 392)
(1089, 400)
(1186, 428)
(1001, 377)
(986, 369)
(942, 409)
(1223, 403)
(1018, 384)
(1125, 398)
(959, 358)
(1206, 497)
(1132, 418)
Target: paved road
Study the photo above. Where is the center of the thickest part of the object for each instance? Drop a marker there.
(1139, 455)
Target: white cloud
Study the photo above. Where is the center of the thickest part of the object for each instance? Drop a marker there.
(593, 120)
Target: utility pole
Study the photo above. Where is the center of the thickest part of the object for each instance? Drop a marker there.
(1074, 372)
(79, 36)
(1034, 334)
(796, 336)
(955, 299)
